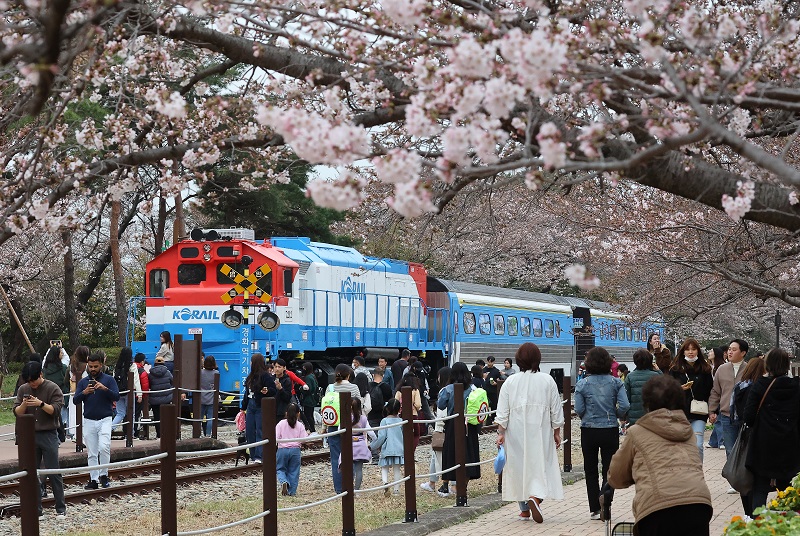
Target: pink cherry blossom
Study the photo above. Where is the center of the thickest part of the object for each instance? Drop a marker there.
(553, 151)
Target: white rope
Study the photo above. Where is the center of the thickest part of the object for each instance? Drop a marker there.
(231, 394)
(440, 419)
(161, 391)
(114, 465)
(197, 390)
(385, 486)
(481, 414)
(329, 434)
(437, 473)
(384, 427)
(194, 420)
(8, 434)
(13, 476)
(199, 453)
(223, 527)
(145, 423)
(226, 420)
(8, 398)
(490, 460)
(311, 505)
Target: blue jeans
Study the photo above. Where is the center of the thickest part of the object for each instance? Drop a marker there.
(65, 414)
(289, 467)
(207, 412)
(730, 431)
(122, 409)
(335, 444)
(699, 428)
(252, 427)
(716, 435)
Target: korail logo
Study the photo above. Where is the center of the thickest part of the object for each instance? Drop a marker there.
(187, 314)
(353, 290)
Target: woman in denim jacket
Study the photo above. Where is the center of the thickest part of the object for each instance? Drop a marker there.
(600, 399)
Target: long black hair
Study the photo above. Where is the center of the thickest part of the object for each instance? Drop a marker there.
(52, 357)
(461, 374)
(292, 411)
(124, 362)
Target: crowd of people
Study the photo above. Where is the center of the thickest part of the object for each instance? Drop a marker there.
(664, 405)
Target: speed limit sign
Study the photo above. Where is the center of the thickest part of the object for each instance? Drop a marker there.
(330, 416)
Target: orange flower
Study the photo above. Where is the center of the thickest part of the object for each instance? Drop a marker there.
(734, 519)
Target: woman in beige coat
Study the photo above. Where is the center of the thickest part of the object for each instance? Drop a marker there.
(659, 455)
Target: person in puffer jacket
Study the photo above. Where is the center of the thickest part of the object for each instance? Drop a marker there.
(659, 455)
(636, 380)
(160, 380)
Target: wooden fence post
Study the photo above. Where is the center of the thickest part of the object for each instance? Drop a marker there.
(269, 461)
(460, 431)
(408, 453)
(567, 424)
(348, 501)
(79, 446)
(169, 486)
(29, 484)
(177, 382)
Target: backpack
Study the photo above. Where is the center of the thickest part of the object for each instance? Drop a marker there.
(478, 405)
(330, 408)
(122, 380)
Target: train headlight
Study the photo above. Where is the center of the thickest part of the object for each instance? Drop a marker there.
(268, 321)
(232, 319)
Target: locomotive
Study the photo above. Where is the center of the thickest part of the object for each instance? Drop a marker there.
(296, 299)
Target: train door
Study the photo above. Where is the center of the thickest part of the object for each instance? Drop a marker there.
(584, 336)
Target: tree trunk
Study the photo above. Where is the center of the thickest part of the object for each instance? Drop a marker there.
(179, 227)
(119, 277)
(70, 311)
(161, 224)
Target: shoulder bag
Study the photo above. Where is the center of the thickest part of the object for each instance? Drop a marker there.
(738, 476)
(697, 407)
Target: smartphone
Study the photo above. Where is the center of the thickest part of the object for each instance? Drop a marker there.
(27, 396)
(92, 383)
(55, 342)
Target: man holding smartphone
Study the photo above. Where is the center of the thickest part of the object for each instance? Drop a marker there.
(43, 399)
(97, 392)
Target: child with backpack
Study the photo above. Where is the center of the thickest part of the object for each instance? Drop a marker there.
(288, 464)
(390, 441)
(361, 452)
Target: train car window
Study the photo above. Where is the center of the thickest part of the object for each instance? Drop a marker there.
(513, 326)
(558, 329)
(537, 327)
(190, 252)
(612, 333)
(525, 326)
(499, 325)
(621, 333)
(636, 335)
(469, 323)
(549, 328)
(287, 282)
(159, 282)
(485, 324)
(455, 322)
(643, 334)
(191, 274)
(628, 334)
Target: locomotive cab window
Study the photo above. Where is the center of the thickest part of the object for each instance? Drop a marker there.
(537, 327)
(287, 282)
(549, 328)
(191, 274)
(469, 323)
(499, 325)
(455, 322)
(513, 327)
(525, 326)
(558, 329)
(485, 324)
(159, 283)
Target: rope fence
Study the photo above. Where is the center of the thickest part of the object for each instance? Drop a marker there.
(384, 486)
(112, 465)
(200, 453)
(226, 526)
(313, 504)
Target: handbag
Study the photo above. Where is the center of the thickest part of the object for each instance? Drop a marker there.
(698, 407)
(735, 471)
(437, 441)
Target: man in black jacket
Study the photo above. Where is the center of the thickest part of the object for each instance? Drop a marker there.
(491, 375)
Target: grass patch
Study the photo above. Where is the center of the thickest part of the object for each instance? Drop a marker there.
(7, 406)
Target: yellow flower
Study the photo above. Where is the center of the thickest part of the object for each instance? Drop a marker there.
(781, 494)
(774, 503)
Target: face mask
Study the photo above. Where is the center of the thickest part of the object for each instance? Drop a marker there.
(691, 359)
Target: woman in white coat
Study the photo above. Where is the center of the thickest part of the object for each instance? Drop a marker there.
(529, 419)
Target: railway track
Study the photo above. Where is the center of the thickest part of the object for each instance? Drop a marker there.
(121, 488)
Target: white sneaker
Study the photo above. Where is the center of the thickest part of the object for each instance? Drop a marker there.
(708, 446)
(722, 447)
(594, 516)
(731, 491)
(427, 487)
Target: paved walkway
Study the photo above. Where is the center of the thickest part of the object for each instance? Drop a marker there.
(571, 516)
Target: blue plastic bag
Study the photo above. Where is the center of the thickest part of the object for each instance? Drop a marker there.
(500, 461)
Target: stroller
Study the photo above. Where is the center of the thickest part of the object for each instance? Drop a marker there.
(623, 528)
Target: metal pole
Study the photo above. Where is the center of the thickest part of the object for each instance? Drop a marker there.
(29, 484)
(169, 486)
(216, 407)
(269, 462)
(460, 432)
(130, 409)
(408, 453)
(348, 501)
(567, 424)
